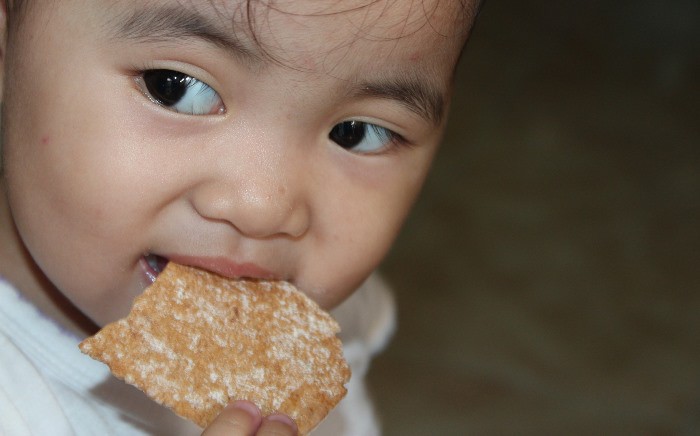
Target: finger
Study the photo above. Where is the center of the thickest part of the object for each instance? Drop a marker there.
(277, 425)
(240, 418)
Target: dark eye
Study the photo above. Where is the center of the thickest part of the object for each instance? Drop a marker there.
(361, 137)
(180, 92)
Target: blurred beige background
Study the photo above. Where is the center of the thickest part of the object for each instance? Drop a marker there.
(549, 279)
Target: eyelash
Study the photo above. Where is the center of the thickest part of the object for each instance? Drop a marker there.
(397, 141)
(351, 134)
(172, 89)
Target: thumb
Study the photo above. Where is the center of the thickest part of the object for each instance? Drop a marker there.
(240, 418)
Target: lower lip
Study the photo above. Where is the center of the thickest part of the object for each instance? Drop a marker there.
(225, 267)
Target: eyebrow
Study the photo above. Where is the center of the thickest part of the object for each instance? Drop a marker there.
(156, 24)
(420, 97)
(163, 24)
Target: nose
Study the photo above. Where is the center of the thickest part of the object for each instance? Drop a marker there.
(260, 202)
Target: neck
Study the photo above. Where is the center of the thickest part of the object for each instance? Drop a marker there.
(19, 268)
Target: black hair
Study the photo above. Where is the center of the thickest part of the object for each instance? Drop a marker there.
(469, 10)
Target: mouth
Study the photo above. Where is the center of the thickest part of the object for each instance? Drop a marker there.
(153, 265)
(225, 267)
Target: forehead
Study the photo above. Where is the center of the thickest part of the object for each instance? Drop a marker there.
(381, 18)
(299, 32)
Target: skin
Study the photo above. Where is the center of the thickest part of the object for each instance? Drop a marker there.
(96, 173)
(244, 418)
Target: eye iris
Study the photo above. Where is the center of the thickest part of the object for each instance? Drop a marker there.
(166, 86)
(348, 134)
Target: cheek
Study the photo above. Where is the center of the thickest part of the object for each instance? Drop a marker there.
(364, 214)
(64, 212)
(74, 180)
(75, 200)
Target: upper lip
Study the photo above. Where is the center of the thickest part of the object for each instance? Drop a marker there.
(224, 266)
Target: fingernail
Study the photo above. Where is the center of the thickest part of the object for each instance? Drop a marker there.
(284, 419)
(247, 407)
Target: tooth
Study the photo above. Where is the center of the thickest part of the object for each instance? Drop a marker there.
(157, 263)
(151, 262)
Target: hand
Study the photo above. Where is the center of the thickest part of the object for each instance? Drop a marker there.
(243, 418)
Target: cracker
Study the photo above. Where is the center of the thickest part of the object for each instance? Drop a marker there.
(194, 341)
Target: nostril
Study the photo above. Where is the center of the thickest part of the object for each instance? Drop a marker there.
(297, 222)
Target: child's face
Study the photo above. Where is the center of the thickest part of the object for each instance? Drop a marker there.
(281, 163)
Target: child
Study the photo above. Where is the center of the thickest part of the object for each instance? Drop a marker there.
(282, 140)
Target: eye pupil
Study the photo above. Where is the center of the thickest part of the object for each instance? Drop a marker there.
(348, 134)
(166, 86)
